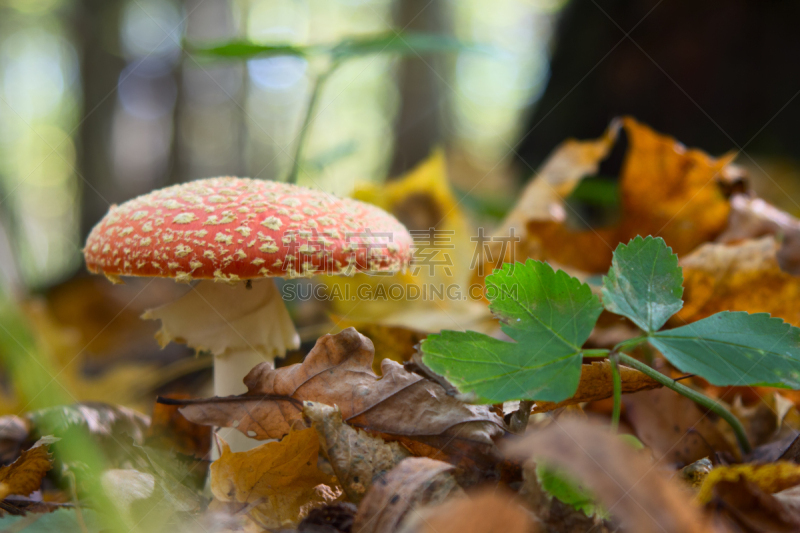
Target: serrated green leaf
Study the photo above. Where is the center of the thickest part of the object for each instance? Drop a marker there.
(735, 348)
(386, 43)
(644, 283)
(549, 315)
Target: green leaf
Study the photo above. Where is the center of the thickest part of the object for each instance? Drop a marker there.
(645, 283)
(598, 191)
(246, 49)
(735, 348)
(549, 315)
(386, 43)
(559, 484)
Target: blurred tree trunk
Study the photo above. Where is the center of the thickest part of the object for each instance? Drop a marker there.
(97, 36)
(713, 74)
(419, 122)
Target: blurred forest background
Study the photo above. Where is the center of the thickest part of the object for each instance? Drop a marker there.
(101, 102)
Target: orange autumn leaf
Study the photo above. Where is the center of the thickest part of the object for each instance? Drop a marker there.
(664, 190)
(280, 479)
(744, 276)
(670, 191)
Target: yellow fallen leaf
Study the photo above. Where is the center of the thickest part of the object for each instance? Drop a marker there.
(436, 286)
(280, 479)
(25, 475)
(771, 477)
(596, 384)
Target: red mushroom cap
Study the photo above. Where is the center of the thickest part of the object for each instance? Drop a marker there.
(238, 228)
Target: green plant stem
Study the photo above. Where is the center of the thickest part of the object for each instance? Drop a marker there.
(519, 420)
(316, 91)
(693, 395)
(617, 381)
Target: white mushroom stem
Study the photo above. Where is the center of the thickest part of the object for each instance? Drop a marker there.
(241, 326)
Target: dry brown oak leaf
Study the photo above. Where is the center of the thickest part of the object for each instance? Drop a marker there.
(338, 371)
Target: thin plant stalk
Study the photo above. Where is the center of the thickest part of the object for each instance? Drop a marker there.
(316, 91)
(617, 381)
(700, 399)
(519, 420)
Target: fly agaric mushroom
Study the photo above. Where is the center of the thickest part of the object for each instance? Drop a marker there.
(236, 231)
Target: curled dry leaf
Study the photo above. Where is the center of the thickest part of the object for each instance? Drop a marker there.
(278, 481)
(487, 511)
(25, 475)
(415, 482)
(357, 458)
(674, 428)
(596, 384)
(625, 482)
(391, 342)
(338, 371)
(721, 277)
(752, 218)
(665, 190)
(771, 477)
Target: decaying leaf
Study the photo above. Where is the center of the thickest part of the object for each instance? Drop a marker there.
(338, 371)
(724, 277)
(771, 477)
(665, 190)
(487, 511)
(696, 473)
(14, 431)
(25, 475)
(673, 427)
(625, 482)
(391, 342)
(334, 518)
(414, 482)
(101, 420)
(596, 384)
(752, 509)
(752, 218)
(278, 481)
(357, 458)
(169, 429)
